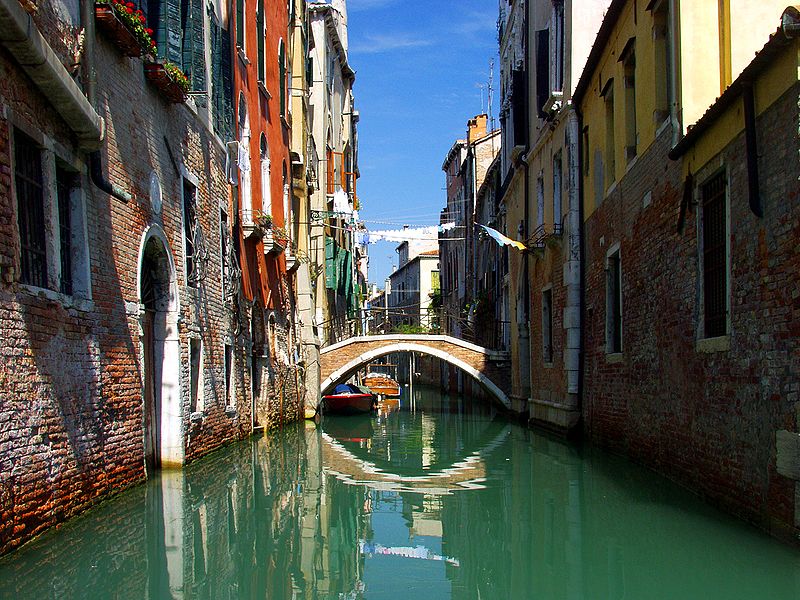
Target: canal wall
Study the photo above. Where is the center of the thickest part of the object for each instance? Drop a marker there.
(705, 411)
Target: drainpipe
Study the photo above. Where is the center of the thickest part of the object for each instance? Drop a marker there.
(575, 272)
(582, 260)
(95, 161)
(751, 149)
(677, 132)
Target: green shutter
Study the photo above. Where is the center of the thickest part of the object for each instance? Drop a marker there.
(240, 23)
(170, 45)
(330, 264)
(260, 36)
(221, 79)
(193, 46)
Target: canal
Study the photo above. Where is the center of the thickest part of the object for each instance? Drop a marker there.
(442, 501)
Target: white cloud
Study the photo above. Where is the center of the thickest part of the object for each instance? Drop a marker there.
(375, 43)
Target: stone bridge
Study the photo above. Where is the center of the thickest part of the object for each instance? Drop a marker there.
(491, 368)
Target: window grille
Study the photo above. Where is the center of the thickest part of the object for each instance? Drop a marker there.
(189, 219)
(715, 257)
(614, 304)
(30, 210)
(547, 325)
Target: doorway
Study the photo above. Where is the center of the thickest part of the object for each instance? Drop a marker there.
(162, 414)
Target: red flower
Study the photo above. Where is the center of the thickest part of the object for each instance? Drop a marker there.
(142, 19)
(148, 31)
(129, 10)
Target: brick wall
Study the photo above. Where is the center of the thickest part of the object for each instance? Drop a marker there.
(705, 419)
(71, 377)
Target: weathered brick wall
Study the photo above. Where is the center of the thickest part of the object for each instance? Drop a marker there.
(548, 380)
(71, 407)
(707, 420)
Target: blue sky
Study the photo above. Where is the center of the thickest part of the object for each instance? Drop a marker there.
(419, 65)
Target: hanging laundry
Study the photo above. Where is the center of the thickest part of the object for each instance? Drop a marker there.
(502, 239)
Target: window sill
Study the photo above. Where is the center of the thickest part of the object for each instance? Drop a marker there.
(547, 365)
(613, 358)
(80, 304)
(714, 344)
(264, 91)
(242, 56)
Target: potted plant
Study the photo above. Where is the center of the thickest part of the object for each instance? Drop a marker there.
(169, 79)
(126, 25)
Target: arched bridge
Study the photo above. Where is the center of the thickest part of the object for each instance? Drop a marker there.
(491, 368)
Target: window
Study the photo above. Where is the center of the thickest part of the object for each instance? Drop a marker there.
(221, 80)
(629, 81)
(240, 24)
(64, 186)
(557, 186)
(223, 248)
(228, 371)
(189, 229)
(266, 189)
(542, 70)
(261, 32)
(28, 178)
(611, 167)
(179, 32)
(715, 256)
(547, 325)
(663, 62)
(557, 35)
(196, 375)
(540, 201)
(282, 76)
(613, 302)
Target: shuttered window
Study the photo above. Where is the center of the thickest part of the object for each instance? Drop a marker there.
(193, 46)
(330, 263)
(221, 79)
(30, 210)
(282, 72)
(260, 34)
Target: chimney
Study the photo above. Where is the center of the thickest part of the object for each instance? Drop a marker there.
(476, 127)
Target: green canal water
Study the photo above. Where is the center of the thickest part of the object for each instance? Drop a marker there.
(436, 500)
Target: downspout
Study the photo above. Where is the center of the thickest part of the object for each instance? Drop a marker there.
(578, 124)
(95, 161)
(751, 149)
(677, 132)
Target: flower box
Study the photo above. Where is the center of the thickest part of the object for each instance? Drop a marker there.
(167, 82)
(273, 244)
(107, 20)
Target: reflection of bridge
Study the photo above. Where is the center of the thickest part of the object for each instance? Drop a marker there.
(466, 473)
(489, 367)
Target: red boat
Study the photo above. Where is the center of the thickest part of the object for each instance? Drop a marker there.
(348, 400)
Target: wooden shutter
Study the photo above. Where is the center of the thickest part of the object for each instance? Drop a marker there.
(330, 264)
(193, 45)
(260, 39)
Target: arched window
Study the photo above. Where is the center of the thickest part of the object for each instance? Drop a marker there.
(266, 187)
(285, 198)
(243, 160)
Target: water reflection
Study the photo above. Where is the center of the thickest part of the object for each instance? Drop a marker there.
(441, 502)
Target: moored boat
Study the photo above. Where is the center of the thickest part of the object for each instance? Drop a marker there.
(382, 384)
(348, 399)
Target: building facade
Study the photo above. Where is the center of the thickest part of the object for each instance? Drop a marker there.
(689, 266)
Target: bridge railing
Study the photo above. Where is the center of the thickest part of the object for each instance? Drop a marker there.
(492, 334)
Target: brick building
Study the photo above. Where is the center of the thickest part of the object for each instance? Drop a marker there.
(691, 266)
(129, 331)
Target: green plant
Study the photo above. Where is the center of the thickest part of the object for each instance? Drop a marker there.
(177, 75)
(135, 21)
(262, 219)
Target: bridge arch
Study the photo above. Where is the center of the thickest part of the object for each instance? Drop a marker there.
(441, 347)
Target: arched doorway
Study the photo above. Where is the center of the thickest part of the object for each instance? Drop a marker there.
(160, 345)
